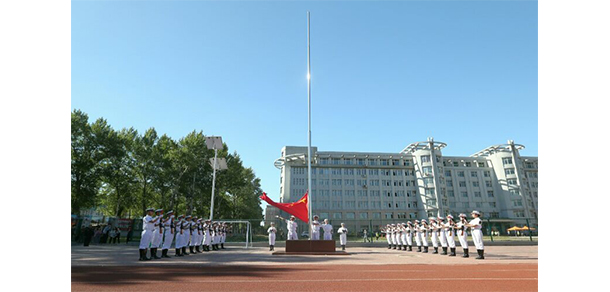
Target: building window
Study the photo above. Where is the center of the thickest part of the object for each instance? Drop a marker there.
(462, 184)
(427, 170)
(467, 164)
(389, 216)
(481, 164)
(492, 204)
(464, 194)
(475, 184)
(372, 161)
(450, 193)
(360, 161)
(323, 161)
(456, 164)
(460, 174)
(488, 183)
(509, 171)
(336, 215)
(449, 183)
(376, 215)
(425, 158)
(350, 215)
(511, 182)
(347, 161)
(486, 174)
(477, 194)
(490, 194)
(384, 162)
(473, 174)
(507, 161)
(466, 205)
(517, 203)
(364, 215)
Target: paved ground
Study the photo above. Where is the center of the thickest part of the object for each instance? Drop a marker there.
(115, 268)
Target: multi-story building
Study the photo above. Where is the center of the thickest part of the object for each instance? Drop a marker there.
(368, 190)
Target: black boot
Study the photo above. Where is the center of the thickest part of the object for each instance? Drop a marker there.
(144, 251)
(165, 255)
(452, 254)
(184, 251)
(153, 254)
(178, 252)
(389, 246)
(435, 250)
(410, 248)
(394, 246)
(207, 248)
(419, 248)
(425, 249)
(142, 255)
(273, 247)
(191, 249)
(343, 247)
(465, 253)
(404, 247)
(444, 250)
(222, 245)
(481, 256)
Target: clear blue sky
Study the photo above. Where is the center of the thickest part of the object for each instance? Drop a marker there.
(384, 74)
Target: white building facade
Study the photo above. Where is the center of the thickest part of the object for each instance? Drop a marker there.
(369, 190)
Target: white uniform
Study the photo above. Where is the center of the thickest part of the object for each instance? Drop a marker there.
(148, 227)
(409, 235)
(193, 232)
(271, 231)
(315, 230)
(477, 234)
(157, 234)
(450, 232)
(169, 234)
(418, 235)
(462, 235)
(443, 234)
(328, 231)
(179, 234)
(292, 230)
(388, 235)
(342, 235)
(207, 231)
(434, 236)
(424, 235)
(403, 235)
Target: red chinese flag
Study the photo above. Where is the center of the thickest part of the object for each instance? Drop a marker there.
(298, 208)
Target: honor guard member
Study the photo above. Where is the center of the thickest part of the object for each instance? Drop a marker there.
(315, 228)
(450, 231)
(477, 235)
(434, 234)
(292, 228)
(328, 230)
(388, 235)
(418, 235)
(223, 235)
(170, 232)
(186, 236)
(342, 236)
(442, 234)
(410, 235)
(462, 234)
(147, 233)
(403, 235)
(193, 238)
(215, 236)
(199, 240)
(207, 232)
(157, 234)
(179, 235)
(425, 232)
(397, 235)
(271, 231)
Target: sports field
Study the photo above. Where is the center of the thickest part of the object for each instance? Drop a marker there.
(115, 268)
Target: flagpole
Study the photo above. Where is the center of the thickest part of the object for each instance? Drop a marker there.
(309, 130)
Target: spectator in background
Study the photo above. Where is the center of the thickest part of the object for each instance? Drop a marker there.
(129, 235)
(105, 234)
(97, 234)
(112, 235)
(118, 234)
(88, 234)
(377, 236)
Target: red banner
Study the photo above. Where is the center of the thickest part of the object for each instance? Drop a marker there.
(298, 208)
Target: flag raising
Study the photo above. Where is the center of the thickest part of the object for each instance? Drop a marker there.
(298, 208)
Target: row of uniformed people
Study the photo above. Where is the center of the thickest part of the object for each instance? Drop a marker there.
(195, 233)
(439, 231)
(315, 233)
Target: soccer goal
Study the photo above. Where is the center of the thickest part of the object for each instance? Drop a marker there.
(239, 229)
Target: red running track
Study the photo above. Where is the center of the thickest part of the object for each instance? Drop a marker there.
(428, 278)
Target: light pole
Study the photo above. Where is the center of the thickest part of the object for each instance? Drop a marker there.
(215, 142)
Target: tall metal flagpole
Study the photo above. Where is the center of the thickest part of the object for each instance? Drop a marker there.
(309, 131)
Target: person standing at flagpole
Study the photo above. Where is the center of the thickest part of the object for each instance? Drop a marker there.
(271, 231)
(342, 236)
(292, 227)
(328, 230)
(315, 228)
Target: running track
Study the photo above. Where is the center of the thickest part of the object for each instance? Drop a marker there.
(427, 278)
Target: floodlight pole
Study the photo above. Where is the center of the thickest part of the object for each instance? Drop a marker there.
(213, 184)
(309, 199)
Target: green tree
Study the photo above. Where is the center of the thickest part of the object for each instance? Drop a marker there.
(85, 177)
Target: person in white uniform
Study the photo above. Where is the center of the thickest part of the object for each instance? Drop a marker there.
(450, 231)
(342, 236)
(442, 234)
(418, 235)
(223, 234)
(477, 235)
(434, 234)
(186, 227)
(179, 235)
(148, 226)
(403, 235)
(271, 231)
(315, 228)
(462, 234)
(388, 235)
(207, 232)
(328, 230)
(393, 235)
(157, 234)
(409, 235)
(425, 231)
(170, 232)
(292, 227)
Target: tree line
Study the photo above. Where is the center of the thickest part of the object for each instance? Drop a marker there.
(122, 173)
